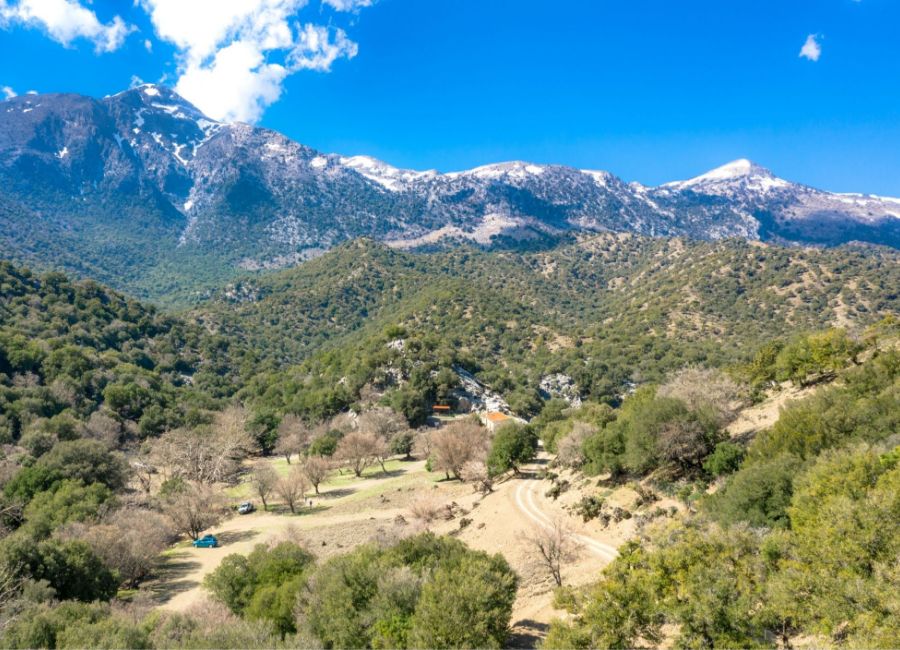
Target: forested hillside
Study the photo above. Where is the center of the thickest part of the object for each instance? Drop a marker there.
(75, 354)
(123, 427)
(606, 311)
(789, 537)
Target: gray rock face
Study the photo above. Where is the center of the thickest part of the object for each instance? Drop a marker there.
(142, 178)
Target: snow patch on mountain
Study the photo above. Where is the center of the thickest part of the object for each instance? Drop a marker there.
(391, 178)
(515, 170)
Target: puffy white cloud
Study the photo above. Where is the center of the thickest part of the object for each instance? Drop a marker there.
(235, 54)
(811, 49)
(8, 93)
(200, 27)
(236, 86)
(65, 21)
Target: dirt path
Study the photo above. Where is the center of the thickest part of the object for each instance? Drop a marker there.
(503, 522)
(527, 504)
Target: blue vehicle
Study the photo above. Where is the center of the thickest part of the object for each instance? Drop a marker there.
(207, 541)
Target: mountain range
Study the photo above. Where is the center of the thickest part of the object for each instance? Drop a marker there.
(144, 192)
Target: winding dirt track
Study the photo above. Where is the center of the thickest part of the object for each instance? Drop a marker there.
(527, 502)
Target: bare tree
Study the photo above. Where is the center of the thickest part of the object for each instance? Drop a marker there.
(384, 424)
(477, 473)
(11, 515)
(554, 546)
(103, 427)
(456, 444)
(144, 472)
(194, 509)
(358, 450)
(705, 389)
(294, 436)
(422, 442)
(315, 469)
(11, 581)
(208, 454)
(343, 422)
(684, 444)
(128, 541)
(291, 488)
(264, 479)
(569, 450)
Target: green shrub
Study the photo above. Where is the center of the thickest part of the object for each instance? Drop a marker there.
(725, 459)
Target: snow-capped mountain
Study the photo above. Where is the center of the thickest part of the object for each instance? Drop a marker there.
(143, 180)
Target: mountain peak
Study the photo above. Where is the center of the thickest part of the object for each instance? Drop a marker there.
(736, 169)
(157, 97)
(741, 168)
(741, 171)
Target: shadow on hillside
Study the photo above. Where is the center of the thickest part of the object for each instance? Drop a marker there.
(336, 493)
(302, 509)
(234, 536)
(170, 575)
(535, 468)
(527, 634)
(394, 473)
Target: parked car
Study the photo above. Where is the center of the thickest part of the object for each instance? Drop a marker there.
(246, 508)
(207, 541)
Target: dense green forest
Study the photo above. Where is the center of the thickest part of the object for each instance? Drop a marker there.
(74, 352)
(608, 311)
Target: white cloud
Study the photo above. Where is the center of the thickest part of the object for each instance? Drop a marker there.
(811, 49)
(315, 49)
(235, 54)
(347, 5)
(148, 45)
(65, 21)
(8, 93)
(236, 86)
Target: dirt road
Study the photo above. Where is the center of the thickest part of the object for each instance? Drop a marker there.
(528, 503)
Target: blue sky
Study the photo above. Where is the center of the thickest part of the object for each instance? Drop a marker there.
(652, 90)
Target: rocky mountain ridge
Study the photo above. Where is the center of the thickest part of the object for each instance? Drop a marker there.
(141, 190)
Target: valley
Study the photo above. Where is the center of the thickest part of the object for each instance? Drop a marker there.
(541, 418)
(391, 324)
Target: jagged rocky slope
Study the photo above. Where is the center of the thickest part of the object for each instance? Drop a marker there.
(143, 191)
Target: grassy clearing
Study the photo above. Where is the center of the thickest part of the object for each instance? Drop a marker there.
(396, 471)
